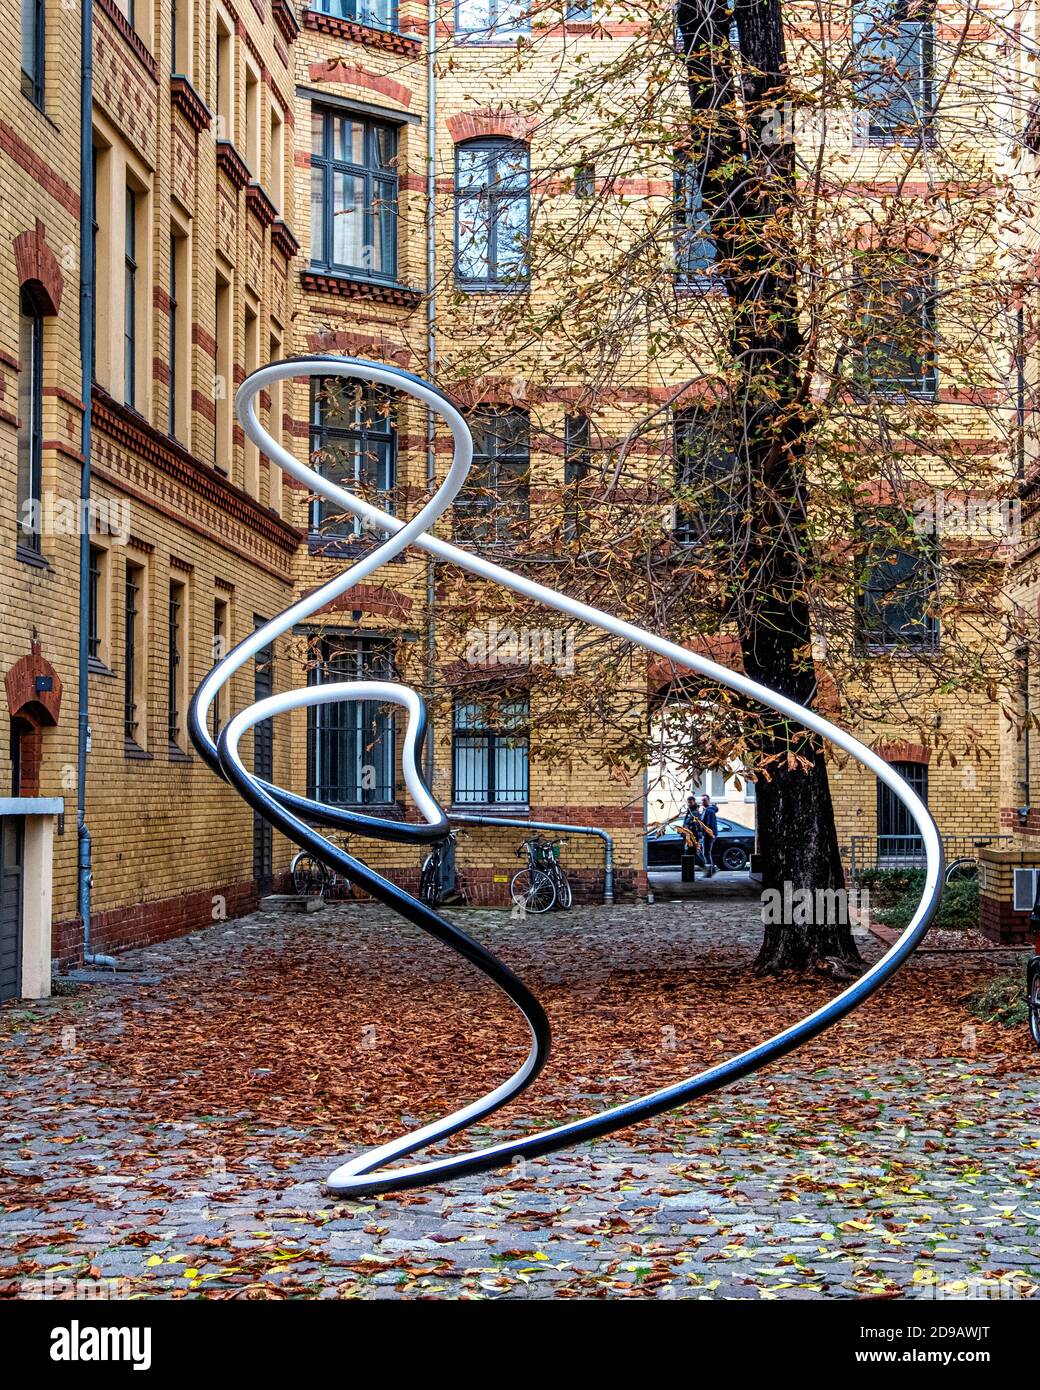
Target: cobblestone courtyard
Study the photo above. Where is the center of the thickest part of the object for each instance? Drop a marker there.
(168, 1134)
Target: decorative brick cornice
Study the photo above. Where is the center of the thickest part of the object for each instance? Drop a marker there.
(487, 125)
(320, 282)
(351, 32)
(259, 204)
(185, 99)
(283, 240)
(285, 19)
(136, 434)
(233, 165)
(130, 35)
(903, 752)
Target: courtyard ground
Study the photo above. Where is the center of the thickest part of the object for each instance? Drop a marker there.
(167, 1135)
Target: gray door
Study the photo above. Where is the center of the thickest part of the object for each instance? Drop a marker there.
(11, 839)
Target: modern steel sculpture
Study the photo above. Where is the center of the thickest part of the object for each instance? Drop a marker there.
(298, 817)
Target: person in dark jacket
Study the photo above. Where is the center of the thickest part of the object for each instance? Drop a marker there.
(708, 814)
(694, 828)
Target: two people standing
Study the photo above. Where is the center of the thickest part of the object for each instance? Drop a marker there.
(702, 824)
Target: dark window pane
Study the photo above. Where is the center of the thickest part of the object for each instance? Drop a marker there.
(494, 503)
(490, 754)
(892, 67)
(695, 250)
(492, 212)
(351, 743)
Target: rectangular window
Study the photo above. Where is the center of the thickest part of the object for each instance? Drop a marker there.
(577, 431)
(130, 300)
(93, 595)
(896, 295)
(492, 20)
(490, 751)
(275, 423)
(353, 195)
(494, 504)
(706, 479)
(250, 453)
(375, 14)
(354, 443)
(351, 743)
(220, 649)
(224, 82)
(177, 669)
(892, 68)
(898, 590)
(30, 423)
(251, 152)
(1022, 728)
(224, 328)
(899, 841)
(133, 601)
(180, 38)
(695, 250)
(33, 49)
(277, 179)
(585, 181)
(171, 424)
(97, 608)
(492, 213)
(580, 11)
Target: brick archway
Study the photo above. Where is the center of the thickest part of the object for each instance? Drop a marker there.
(39, 273)
(34, 703)
(903, 752)
(488, 125)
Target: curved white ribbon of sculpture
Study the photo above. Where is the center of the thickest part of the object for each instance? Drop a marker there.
(296, 816)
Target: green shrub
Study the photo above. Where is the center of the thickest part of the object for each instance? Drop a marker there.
(887, 886)
(958, 910)
(1000, 1000)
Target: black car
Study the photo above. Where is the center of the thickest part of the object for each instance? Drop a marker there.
(733, 848)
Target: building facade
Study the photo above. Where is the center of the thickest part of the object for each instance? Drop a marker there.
(272, 179)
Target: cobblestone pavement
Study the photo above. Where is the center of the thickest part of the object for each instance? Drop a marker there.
(848, 1171)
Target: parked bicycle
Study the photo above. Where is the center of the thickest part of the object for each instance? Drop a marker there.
(966, 867)
(313, 879)
(432, 873)
(542, 884)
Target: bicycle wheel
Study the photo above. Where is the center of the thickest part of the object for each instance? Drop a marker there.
(429, 889)
(962, 870)
(533, 889)
(1034, 1005)
(310, 876)
(564, 896)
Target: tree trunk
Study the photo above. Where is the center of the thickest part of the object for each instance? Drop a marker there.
(749, 189)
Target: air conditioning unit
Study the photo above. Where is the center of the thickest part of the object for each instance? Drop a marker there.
(1025, 889)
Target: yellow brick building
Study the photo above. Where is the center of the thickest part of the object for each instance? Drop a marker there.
(262, 178)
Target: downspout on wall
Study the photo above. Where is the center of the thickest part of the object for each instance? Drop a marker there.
(84, 848)
(431, 362)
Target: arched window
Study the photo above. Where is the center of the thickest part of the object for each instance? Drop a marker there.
(492, 213)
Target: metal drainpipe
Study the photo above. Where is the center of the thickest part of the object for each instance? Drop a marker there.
(84, 856)
(431, 358)
(608, 844)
